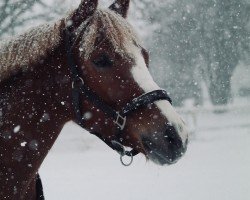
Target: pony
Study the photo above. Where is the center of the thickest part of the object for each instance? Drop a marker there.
(91, 68)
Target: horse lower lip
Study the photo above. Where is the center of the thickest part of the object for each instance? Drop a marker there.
(159, 159)
(158, 156)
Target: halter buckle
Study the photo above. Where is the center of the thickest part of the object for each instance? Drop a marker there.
(120, 121)
(78, 80)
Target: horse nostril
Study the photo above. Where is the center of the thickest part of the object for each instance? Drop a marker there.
(172, 138)
(176, 147)
(173, 142)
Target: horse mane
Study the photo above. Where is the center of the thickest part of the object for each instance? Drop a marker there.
(24, 51)
(32, 47)
(115, 29)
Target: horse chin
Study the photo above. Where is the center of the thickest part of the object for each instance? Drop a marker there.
(163, 155)
(159, 159)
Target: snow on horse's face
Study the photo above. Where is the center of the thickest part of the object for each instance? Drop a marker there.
(115, 65)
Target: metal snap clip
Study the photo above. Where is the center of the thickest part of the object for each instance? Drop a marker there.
(121, 150)
(128, 153)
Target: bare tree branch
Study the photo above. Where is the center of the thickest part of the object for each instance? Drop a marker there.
(15, 14)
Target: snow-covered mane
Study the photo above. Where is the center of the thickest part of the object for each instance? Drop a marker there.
(112, 26)
(23, 52)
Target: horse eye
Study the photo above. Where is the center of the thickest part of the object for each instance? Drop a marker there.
(103, 61)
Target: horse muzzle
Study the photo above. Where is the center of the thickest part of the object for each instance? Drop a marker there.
(164, 148)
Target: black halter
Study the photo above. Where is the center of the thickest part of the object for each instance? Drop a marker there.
(119, 117)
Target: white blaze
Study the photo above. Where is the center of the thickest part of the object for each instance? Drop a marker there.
(142, 76)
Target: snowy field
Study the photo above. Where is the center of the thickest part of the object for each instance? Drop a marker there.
(216, 166)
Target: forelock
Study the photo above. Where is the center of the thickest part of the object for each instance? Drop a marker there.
(110, 25)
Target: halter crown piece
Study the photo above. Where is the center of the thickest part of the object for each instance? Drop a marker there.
(119, 117)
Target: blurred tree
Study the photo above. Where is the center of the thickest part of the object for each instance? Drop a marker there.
(194, 37)
(224, 40)
(19, 13)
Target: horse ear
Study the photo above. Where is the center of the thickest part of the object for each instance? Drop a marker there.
(121, 7)
(85, 10)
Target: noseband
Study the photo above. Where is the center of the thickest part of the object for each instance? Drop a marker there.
(79, 88)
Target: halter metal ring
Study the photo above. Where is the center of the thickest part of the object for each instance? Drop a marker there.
(74, 82)
(126, 154)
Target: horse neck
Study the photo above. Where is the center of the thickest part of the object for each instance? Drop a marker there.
(35, 105)
(54, 82)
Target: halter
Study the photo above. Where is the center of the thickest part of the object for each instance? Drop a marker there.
(79, 88)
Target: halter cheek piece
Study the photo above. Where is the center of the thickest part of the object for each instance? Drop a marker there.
(119, 117)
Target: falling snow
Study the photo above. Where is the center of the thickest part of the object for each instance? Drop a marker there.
(199, 52)
(23, 144)
(17, 129)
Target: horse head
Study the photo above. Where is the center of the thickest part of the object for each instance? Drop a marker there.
(113, 64)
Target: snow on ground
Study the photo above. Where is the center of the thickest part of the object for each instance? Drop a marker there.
(215, 167)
